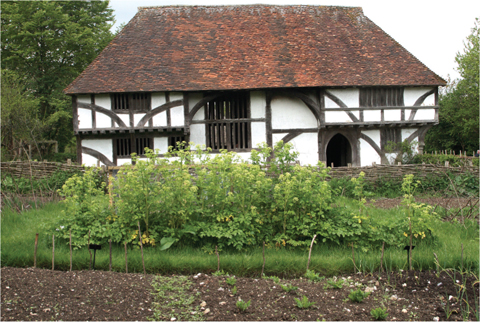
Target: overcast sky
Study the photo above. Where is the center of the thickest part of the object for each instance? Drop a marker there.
(433, 31)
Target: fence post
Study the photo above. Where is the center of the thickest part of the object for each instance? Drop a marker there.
(141, 246)
(310, 252)
(447, 164)
(35, 251)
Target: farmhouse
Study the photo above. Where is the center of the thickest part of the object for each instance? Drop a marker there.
(325, 78)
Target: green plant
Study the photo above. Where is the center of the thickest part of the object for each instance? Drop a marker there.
(234, 290)
(334, 283)
(315, 277)
(275, 279)
(304, 303)
(231, 280)
(289, 288)
(220, 273)
(379, 314)
(357, 295)
(243, 306)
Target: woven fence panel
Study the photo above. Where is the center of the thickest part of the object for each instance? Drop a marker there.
(35, 169)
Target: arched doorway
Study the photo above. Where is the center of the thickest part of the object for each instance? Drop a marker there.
(339, 151)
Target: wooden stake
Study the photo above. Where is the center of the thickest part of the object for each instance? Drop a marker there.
(35, 251)
(53, 252)
(141, 247)
(70, 250)
(410, 249)
(263, 253)
(462, 258)
(310, 252)
(126, 260)
(89, 251)
(353, 258)
(381, 258)
(110, 265)
(218, 259)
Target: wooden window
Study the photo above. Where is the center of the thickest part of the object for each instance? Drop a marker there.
(228, 125)
(381, 96)
(125, 102)
(124, 147)
(172, 141)
(393, 135)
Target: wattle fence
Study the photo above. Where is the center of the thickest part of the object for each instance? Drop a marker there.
(39, 170)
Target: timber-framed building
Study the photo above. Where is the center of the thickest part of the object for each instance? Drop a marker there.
(325, 78)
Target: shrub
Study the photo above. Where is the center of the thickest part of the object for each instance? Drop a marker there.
(357, 295)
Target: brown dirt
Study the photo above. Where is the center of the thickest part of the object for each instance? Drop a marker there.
(37, 294)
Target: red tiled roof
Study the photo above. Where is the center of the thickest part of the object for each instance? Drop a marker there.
(190, 48)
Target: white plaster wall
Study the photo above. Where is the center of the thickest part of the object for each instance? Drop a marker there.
(277, 137)
(160, 143)
(410, 95)
(103, 100)
(175, 96)
(407, 114)
(335, 117)
(306, 144)
(407, 132)
(177, 116)
(259, 133)
(257, 104)
(197, 134)
(374, 135)
(138, 117)
(84, 99)
(104, 146)
(200, 115)
(123, 161)
(160, 119)
(372, 116)
(393, 115)
(349, 96)
(89, 161)
(193, 99)
(245, 156)
(102, 120)
(125, 118)
(158, 99)
(368, 155)
(425, 115)
(84, 118)
(291, 113)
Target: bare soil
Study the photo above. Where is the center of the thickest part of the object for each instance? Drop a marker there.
(38, 294)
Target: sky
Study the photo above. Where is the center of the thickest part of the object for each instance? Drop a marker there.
(433, 31)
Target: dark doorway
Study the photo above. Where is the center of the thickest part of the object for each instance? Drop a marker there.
(339, 151)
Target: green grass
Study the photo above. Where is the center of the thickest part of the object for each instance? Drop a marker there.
(18, 236)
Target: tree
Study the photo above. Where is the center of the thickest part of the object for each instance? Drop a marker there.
(18, 110)
(49, 43)
(458, 127)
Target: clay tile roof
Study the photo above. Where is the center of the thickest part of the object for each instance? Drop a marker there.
(190, 48)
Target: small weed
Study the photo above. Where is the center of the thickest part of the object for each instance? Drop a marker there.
(315, 277)
(304, 303)
(243, 306)
(357, 296)
(379, 314)
(289, 288)
(234, 290)
(220, 273)
(333, 283)
(231, 281)
(273, 278)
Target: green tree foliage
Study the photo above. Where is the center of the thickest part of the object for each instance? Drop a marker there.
(18, 110)
(458, 128)
(49, 43)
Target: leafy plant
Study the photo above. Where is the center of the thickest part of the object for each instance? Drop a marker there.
(234, 290)
(231, 281)
(275, 279)
(357, 295)
(304, 303)
(379, 314)
(315, 277)
(334, 283)
(289, 288)
(219, 273)
(243, 306)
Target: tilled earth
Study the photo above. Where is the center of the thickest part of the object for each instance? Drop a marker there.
(38, 294)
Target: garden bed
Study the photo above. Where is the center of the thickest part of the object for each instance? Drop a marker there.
(38, 294)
